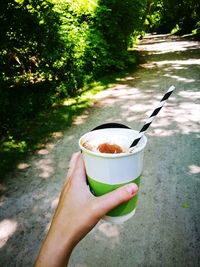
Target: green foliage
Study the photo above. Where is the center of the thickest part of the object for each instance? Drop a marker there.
(32, 134)
(66, 42)
(50, 49)
(118, 21)
(27, 28)
(179, 16)
(175, 30)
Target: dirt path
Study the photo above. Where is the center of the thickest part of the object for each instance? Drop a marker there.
(166, 228)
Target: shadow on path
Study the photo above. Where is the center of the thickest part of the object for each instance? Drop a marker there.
(165, 230)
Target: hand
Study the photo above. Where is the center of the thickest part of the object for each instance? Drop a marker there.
(78, 211)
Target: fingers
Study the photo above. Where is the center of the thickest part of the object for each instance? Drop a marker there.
(79, 170)
(76, 169)
(72, 166)
(111, 200)
(72, 163)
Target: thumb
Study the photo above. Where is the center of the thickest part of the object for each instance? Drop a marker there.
(111, 200)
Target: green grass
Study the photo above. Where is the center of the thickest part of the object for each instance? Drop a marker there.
(36, 132)
(195, 33)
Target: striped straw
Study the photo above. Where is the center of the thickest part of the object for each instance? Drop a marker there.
(153, 115)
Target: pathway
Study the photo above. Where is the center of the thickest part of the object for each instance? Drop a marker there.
(166, 228)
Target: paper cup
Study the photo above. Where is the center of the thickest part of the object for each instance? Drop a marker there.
(106, 172)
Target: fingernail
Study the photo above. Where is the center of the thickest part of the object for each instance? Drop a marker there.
(132, 188)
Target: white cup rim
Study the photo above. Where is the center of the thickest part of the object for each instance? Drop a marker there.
(117, 155)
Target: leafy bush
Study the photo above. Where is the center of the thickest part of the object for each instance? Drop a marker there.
(117, 21)
(59, 44)
(50, 49)
(181, 15)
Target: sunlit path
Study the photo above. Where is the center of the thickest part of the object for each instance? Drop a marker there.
(166, 228)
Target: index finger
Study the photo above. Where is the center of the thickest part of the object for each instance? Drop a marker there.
(72, 165)
(79, 170)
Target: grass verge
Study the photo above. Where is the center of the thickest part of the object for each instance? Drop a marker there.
(48, 125)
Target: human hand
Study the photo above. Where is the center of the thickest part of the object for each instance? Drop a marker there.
(78, 211)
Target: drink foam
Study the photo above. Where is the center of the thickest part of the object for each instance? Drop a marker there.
(117, 142)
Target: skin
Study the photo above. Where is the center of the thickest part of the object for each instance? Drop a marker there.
(78, 211)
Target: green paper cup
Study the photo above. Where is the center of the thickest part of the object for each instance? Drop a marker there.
(106, 172)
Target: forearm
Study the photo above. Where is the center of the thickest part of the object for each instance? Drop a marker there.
(55, 251)
(77, 213)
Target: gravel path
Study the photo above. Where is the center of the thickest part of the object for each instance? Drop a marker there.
(166, 228)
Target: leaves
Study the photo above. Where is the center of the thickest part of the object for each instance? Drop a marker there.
(179, 16)
(50, 49)
(185, 205)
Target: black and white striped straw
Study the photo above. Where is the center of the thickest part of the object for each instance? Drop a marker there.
(153, 115)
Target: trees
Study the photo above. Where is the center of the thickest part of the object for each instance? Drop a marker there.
(27, 29)
(50, 48)
(117, 21)
(181, 14)
(65, 40)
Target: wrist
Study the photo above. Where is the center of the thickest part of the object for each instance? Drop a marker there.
(55, 250)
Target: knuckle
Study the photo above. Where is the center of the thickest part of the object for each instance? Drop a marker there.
(96, 212)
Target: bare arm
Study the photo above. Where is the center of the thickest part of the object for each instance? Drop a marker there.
(78, 211)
